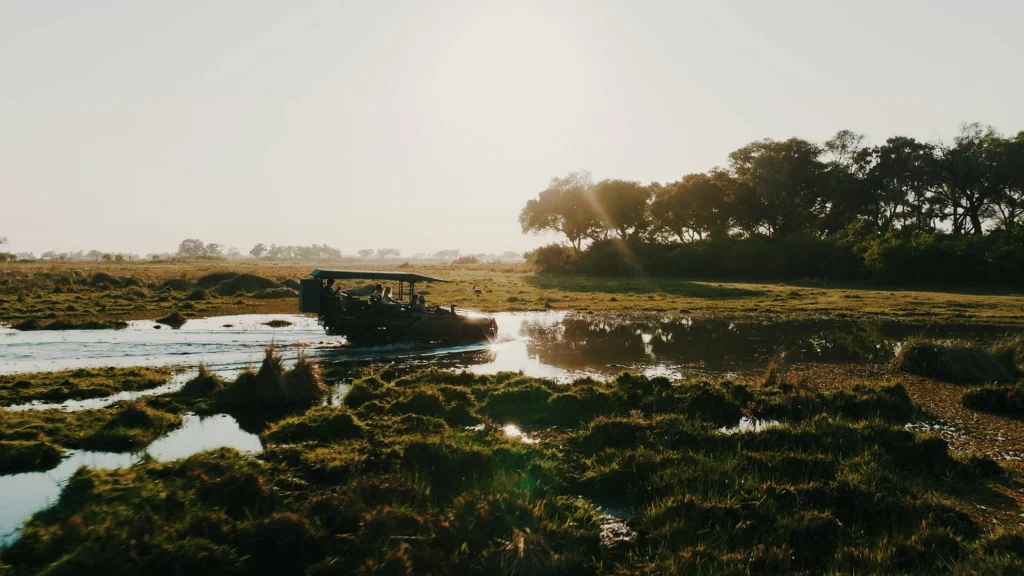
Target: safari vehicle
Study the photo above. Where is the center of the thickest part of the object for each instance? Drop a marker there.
(351, 312)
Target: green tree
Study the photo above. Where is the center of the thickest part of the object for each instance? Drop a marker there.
(900, 179)
(258, 250)
(1010, 202)
(213, 250)
(621, 207)
(968, 175)
(696, 207)
(564, 207)
(780, 186)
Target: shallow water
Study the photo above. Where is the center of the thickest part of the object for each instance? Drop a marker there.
(23, 494)
(544, 344)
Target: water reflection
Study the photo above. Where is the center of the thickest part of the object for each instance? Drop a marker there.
(555, 345)
(23, 494)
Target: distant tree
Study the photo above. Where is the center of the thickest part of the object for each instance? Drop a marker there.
(108, 257)
(234, 252)
(213, 250)
(621, 207)
(119, 257)
(191, 248)
(3, 240)
(365, 253)
(447, 254)
(565, 207)
(385, 253)
(94, 255)
(258, 250)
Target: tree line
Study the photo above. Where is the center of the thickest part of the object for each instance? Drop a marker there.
(861, 210)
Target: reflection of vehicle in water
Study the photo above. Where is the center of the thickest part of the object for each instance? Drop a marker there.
(369, 320)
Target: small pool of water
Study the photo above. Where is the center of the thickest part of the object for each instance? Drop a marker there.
(23, 494)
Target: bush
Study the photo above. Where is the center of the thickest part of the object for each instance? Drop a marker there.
(851, 254)
(552, 258)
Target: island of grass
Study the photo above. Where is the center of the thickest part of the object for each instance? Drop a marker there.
(421, 475)
(78, 384)
(35, 440)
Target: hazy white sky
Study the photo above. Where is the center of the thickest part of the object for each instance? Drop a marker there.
(128, 125)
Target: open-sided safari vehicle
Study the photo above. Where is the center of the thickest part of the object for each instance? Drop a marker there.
(362, 319)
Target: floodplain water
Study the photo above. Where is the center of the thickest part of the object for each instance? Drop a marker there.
(23, 494)
(555, 345)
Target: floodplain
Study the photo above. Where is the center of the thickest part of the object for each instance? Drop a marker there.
(615, 426)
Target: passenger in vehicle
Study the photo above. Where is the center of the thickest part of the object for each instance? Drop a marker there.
(386, 298)
(378, 293)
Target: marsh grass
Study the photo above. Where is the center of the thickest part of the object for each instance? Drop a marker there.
(244, 284)
(998, 398)
(958, 363)
(34, 290)
(273, 386)
(25, 456)
(393, 481)
(198, 295)
(175, 320)
(78, 384)
(35, 434)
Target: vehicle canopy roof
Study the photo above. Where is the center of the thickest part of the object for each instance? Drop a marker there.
(372, 275)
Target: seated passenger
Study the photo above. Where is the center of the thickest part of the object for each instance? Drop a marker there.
(378, 293)
(386, 298)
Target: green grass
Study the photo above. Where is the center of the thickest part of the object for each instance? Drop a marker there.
(1001, 399)
(30, 438)
(51, 291)
(416, 476)
(78, 384)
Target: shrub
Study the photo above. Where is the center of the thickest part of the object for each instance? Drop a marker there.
(552, 258)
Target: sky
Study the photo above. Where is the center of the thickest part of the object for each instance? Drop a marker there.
(127, 126)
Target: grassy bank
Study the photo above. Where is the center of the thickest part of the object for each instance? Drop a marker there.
(90, 292)
(454, 473)
(78, 384)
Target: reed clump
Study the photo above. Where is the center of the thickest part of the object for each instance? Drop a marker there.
(957, 363)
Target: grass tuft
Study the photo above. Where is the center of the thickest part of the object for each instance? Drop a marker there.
(272, 386)
(959, 364)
